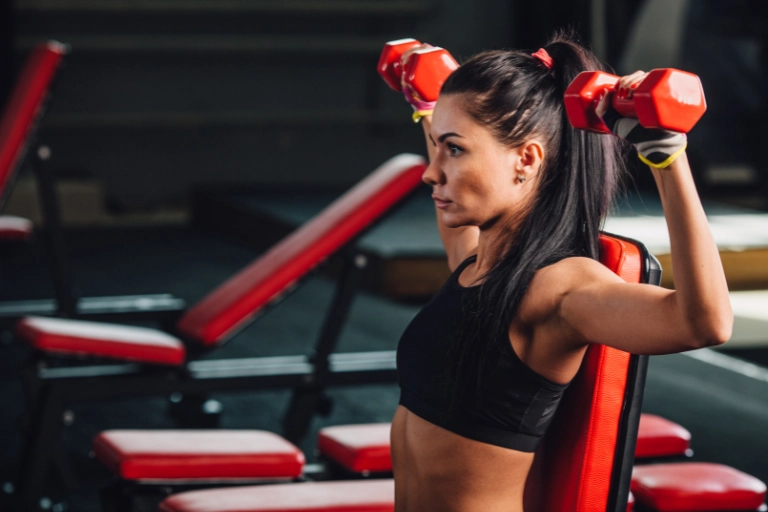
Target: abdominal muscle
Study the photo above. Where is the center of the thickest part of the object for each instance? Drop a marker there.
(437, 470)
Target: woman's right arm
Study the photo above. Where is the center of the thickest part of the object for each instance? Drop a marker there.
(459, 243)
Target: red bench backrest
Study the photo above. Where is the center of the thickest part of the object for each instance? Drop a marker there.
(577, 465)
(233, 304)
(25, 106)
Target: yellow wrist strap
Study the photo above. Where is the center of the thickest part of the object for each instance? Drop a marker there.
(417, 115)
(667, 162)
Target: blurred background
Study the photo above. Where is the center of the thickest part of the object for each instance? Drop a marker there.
(158, 97)
(186, 136)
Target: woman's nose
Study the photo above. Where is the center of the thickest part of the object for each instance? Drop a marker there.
(431, 174)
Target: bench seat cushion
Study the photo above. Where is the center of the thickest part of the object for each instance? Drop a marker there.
(688, 487)
(79, 338)
(15, 229)
(659, 437)
(197, 454)
(358, 448)
(350, 496)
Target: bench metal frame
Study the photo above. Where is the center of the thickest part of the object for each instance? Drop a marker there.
(66, 303)
(52, 390)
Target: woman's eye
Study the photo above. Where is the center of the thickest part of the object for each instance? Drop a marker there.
(454, 150)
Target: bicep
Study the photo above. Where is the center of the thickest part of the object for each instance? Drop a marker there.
(636, 318)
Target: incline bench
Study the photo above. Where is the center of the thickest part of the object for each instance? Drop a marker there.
(155, 363)
(19, 125)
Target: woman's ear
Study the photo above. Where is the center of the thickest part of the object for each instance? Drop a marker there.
(529, 155)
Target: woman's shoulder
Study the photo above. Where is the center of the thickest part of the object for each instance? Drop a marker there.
(552, 283)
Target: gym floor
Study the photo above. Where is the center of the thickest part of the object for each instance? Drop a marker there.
(722, 402)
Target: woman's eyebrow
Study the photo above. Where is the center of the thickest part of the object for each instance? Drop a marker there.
(446, 135)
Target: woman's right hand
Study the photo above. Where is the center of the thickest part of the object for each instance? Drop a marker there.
(656, 147)
(421, 108)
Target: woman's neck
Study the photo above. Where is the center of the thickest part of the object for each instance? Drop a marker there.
(491, 244)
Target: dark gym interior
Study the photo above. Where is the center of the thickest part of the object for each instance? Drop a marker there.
(183, 139)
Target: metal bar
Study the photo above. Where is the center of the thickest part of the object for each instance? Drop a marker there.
(54, 234)
(213, 371)
(98, 306)
(339, 310)
(39, 450)
(308, 398)
(627, 438)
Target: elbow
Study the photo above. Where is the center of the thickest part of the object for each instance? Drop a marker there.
(714, 332)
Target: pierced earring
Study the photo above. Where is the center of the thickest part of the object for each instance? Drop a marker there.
(521, 178)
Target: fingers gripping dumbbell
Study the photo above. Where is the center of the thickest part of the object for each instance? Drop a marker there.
(425, 70)
(667, 99)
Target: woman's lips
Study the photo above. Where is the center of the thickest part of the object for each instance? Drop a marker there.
(440, 202)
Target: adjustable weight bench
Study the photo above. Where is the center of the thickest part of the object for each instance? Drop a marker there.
(148, 362)
(587, 455)
(19, 144)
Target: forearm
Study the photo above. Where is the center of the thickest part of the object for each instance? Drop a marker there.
(426, 125)
(701, 292)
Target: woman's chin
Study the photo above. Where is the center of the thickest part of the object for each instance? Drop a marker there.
(452, 221)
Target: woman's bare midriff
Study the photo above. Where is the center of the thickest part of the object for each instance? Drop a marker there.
(437, 470)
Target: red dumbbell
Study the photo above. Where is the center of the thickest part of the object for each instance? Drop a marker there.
(426, 69)
(668, 99)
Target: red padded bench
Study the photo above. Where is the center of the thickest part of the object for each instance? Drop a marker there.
(198, 455)
(361, 449)
(359, 496)
(83, 339)
(364, 449)
(25, 106)
(659, 438)
(15, 229)
(228, 308)
(696, 487)
(587, 456)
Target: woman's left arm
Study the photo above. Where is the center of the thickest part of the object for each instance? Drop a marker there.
(646, 319)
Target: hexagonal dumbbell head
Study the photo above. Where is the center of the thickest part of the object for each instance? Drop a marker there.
(389, 63)
(580, 99)
(427, 70)
(670, 99)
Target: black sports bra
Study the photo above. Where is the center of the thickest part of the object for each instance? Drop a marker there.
(517, 410)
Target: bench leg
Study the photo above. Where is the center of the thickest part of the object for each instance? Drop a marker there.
(40, 448)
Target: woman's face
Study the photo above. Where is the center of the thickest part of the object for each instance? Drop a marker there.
(475, 179)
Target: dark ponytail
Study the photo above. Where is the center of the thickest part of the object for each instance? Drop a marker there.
(518, 97)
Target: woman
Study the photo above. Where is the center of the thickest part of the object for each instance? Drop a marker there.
(520, 196)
